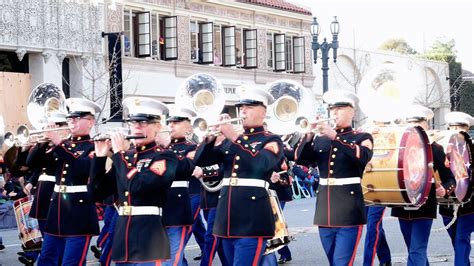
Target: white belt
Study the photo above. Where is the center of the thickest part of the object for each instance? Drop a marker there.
(245, 182)
(70, 189)
(180, 184)
(139, 210)
(49, 178)
(339, 181)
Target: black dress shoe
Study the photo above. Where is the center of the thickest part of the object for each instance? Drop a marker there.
(386, 264)
(26, 261)
(283, 260)
(2, 246)
(21, 253)
(97, 252)
(199, 257)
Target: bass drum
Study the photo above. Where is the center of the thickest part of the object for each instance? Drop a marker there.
(28, 228)
(398, 174)
(282, 236)
(456, 145)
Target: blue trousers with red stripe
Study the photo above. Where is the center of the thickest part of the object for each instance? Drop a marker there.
(178, 237)
(460, 234)
(375, 241)
(106, 257)
(243, 251)
(73, 250)
(212, 243)
(199, 230)
(340, 243)
(104, 233)
(416, 234)
(150, 263)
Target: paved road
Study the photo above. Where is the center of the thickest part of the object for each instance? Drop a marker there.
(306, 249)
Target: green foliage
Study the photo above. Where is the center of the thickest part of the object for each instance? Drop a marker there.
(399, 46)
(442, 51)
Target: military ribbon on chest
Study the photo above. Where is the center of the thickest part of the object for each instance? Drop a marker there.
(143, 163)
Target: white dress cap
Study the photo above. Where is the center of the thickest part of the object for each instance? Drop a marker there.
(143, 108)
(180, 113)
(416, 113)
(253, 96)
(459, 118)
(336, 98)
(57, 117)
(80, 106)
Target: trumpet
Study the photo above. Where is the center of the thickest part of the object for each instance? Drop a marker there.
(26, 136)
(304, 124)
(216, 133)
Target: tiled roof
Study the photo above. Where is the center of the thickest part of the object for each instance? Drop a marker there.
(279, 4)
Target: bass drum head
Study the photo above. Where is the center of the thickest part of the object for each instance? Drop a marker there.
(413, 159)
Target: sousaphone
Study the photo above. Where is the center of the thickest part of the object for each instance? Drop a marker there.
(204, 94)
(293, 105)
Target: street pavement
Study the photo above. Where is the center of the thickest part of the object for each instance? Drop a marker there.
(306, 248)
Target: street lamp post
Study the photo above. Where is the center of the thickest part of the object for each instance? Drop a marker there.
(324, 47)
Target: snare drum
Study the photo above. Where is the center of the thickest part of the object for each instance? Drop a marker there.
(282, 236)
(456, 145)
(398, 174)
(28, 227)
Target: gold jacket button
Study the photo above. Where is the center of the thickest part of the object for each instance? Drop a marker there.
(253, 197)
(245, 137)
(352, 192)
(234, 174)
(237, 158)
(64, 172)
(73, 145)
(239, 141)
(81, 201)
(129, 164)
(333, 156)
(218, 197)
(246, 145)
(335, 149)
(179, 195)
(126, 193)
(332, 163)
(331, 171)
(126, 158)
(236, 166)
(66, 165)
(63, 179)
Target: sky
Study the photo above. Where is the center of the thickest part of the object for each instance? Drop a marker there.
(365, 24)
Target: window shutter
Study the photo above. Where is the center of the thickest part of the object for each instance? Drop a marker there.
(250, 47)
(171, 38)
(144, 37)
(206, 43)
(280, 52)
(228, 38)
(298, 54)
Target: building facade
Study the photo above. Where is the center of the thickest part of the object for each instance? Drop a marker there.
(238, 42)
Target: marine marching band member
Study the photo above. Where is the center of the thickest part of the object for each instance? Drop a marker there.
(416, 224)
(177, 215)
(341, 155)
(244, 216)
(141, 177)
(42, 183)
(72, 217)
(460, 232)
